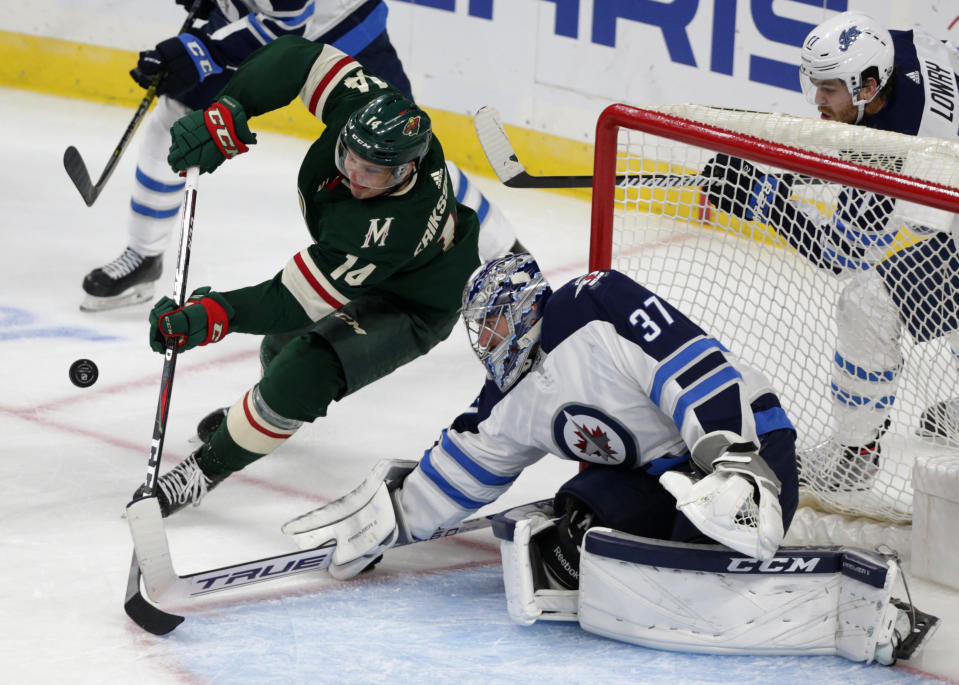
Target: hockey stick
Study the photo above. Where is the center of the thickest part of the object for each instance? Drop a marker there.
(511, 172)
(135, 606)
(73, 162)
(163, 585)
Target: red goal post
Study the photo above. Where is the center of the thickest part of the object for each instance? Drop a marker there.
(744, 284)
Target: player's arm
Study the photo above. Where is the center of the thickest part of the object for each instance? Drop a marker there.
(269, 79)
(240, 38)
(855, 236)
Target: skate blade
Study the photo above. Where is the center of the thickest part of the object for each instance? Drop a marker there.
(132, 296)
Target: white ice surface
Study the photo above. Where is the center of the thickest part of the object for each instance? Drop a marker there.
(71, 458)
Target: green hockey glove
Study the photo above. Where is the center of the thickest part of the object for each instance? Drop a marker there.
(204, 319)
(206, 138)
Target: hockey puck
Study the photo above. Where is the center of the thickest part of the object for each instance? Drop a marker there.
(83, 373)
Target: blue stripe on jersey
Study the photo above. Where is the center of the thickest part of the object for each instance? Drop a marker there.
(871, 376)
(851, 235)
(365, 32)
(770, 420)
(678, 362)
(470, 466)
(153, 213)
(847, 263)
(483, 209)
(259, 28)
(445, 486)
(464, 186)
(293, 22)
(157, 186)
(657, 467)
(708, 385)
(851, 400)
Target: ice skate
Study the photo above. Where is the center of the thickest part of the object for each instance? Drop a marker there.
(125, 281)
(834, 467)
(941, 422)
(184, 484)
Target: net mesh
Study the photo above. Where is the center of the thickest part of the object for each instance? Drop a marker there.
(773, 298)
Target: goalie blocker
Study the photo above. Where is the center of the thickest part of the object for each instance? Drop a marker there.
(803, 601)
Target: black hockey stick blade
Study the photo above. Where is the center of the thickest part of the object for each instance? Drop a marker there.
(77, 171)
(141, 612)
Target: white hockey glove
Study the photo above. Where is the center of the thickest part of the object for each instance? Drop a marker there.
(737, 502)
(365, 522)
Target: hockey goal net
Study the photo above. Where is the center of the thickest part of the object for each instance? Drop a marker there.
(776, 309)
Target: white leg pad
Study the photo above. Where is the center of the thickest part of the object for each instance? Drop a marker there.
(704, 599)
(525, 603)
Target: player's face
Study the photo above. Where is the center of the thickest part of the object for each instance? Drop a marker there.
(367, 179)
(834, 101)
(493, 330)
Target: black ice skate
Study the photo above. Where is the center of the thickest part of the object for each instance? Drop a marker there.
(941, 422)
(127, 280)
(184, 484)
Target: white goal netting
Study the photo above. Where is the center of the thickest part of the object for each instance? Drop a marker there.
(772, 299)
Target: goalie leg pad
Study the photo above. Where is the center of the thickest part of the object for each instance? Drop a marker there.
(706, 599)
(528, 598)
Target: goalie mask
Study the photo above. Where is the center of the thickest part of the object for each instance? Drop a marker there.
(849, 47)
(502, 306)
(382, 141)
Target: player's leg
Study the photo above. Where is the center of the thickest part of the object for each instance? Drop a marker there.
(864, 382)
(154, 208)
(360, 343)
(153, 212)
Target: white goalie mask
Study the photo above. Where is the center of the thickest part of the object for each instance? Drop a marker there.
(843, 48)
(502, 306)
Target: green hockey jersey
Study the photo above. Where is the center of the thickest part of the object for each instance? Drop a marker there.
(415, 246)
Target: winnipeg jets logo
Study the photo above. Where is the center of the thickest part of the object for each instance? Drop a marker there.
(412, 127)
(591, 280)
(593, 442)
(848, 37)
(587, 433)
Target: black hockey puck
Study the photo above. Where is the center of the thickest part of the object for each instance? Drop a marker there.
(83, 373)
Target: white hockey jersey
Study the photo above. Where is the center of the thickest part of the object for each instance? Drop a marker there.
(621, 378)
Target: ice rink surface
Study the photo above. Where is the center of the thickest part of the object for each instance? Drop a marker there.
(71, 458)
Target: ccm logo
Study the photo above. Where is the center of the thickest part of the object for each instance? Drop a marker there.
(222, 133)
(777, 565)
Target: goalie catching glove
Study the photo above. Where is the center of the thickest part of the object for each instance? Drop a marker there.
(204, 319)
(206, 138)
(737, 502)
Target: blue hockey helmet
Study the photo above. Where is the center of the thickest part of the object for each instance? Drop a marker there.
(502, 306)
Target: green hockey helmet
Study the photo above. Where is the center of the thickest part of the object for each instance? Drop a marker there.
(389, 131)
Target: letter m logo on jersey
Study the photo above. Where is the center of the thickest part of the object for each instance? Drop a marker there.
(412, 127)
(848, 37)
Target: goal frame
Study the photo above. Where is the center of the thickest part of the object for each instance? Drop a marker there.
(793, 159)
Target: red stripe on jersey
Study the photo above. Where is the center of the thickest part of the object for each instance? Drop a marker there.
(330, 75)
(252, 421)
(320, 290)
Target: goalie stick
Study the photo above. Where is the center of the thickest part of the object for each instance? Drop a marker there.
(72, 161)
(133, 603)
(163, 585)
(511, 172)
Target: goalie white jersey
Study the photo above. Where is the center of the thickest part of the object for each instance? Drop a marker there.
(622, 378)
